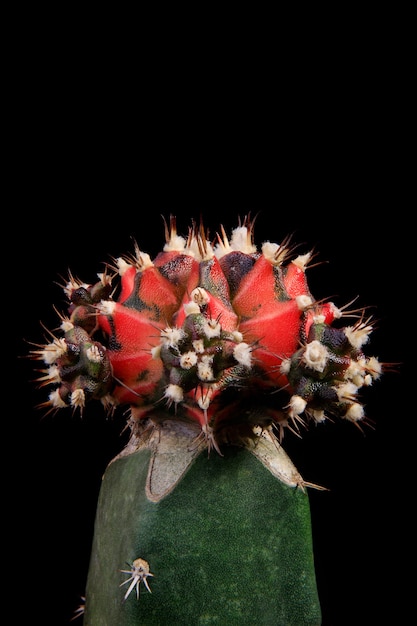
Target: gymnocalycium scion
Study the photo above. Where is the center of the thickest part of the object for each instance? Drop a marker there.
(215, 346)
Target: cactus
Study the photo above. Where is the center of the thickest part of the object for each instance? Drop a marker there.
(217, 349)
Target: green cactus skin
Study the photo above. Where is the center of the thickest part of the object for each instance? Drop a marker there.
(230, 543)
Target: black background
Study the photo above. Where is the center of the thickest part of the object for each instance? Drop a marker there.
(87, 172)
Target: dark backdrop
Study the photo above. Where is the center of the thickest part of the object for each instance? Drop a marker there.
(87, 173)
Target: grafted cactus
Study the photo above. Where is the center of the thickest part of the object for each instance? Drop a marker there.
(216, 348)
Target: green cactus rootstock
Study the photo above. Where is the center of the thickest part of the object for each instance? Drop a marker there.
(230, 544)
(216, 349)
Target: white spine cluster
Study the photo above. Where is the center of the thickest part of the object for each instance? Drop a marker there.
(172, 336)
(315, 356)
(106, 307)
(53, 351)
(243, 354)
(93, 354)
(174, 393)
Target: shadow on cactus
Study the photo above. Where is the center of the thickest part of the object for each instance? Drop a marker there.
(215, 347)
